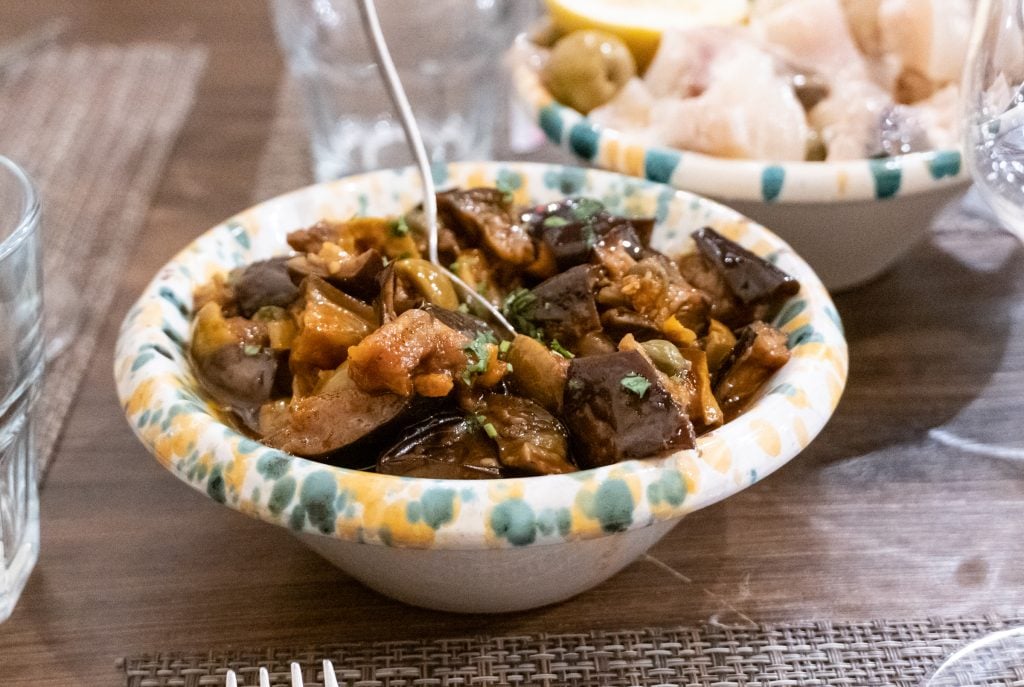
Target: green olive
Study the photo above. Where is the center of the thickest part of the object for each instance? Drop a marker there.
(587, 69)
(430, 281)
(665, 356)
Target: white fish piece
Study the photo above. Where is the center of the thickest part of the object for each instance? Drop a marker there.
(862, 18)
(682, 66)
(847, 120)
(811, 35)
(629, 110)
(746, 111)
(927, 36)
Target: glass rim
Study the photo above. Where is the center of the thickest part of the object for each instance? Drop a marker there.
(29, 216)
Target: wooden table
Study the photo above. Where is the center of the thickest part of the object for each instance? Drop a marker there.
(892, 512)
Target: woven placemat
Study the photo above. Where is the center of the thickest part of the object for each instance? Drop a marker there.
(896, 653)
(93, 125)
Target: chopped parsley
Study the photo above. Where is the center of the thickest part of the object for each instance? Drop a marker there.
(586, 208)
(400, 227)
(517, 308)
(637, 384)
(251, 350)
(478, 355)
(561, 350)
(555, 221)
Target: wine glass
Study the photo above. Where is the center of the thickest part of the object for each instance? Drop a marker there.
(993, 109)
(993, 134)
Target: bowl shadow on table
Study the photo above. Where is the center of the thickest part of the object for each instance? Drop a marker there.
(925, 340)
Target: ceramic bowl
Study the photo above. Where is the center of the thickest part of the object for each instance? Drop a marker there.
(502, 544)
(850, 220)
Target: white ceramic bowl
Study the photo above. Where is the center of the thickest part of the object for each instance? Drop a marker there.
(502, 544)
(850, 220)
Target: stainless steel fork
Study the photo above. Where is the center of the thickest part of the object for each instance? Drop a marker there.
(330, 679)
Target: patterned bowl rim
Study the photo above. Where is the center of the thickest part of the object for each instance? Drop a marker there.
(732, 179)
(190, 438)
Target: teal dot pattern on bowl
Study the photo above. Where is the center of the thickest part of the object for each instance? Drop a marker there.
(735, 179)
(192, 439)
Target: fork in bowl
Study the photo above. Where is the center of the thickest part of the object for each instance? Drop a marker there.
(330, 680)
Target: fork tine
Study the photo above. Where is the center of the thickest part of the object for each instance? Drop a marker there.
(330, 679)
(229, 679)
(264, 677)
(296, 675)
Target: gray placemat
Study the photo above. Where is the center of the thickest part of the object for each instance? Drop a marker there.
(881, 652)
(93, 125)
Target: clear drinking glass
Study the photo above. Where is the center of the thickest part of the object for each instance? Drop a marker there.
(448, 54)
(21, 370)
(993, 120)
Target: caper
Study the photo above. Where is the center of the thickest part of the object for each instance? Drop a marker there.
(666, 357)
(587, 69)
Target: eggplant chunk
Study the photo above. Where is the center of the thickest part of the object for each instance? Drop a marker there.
(334, 416)
(751, 279)
(264, 283)
(563, 306)
(414, 353)
(530, 440)
(238, 377)
(621, 321)
(231, 358)
(355, 275)
(485, 215)
(617, 408)
(572, 228)
(468, 324)
(312, 239)
(538, 373)
(329, 323)
(759, 352)
(445, 446)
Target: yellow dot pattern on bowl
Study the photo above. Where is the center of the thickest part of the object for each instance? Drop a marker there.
(190, 437)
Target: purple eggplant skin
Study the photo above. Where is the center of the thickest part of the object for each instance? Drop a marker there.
(485, 217)
(356, 276)
(563, 306)
(236, 378)
(264, 283)
(572, 227)
(446, 445)
(470, 325)
(611, 422)
(751, 279)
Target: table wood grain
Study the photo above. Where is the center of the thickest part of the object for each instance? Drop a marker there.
(900, 509)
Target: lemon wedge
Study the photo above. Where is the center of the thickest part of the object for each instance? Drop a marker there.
(640, 23)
